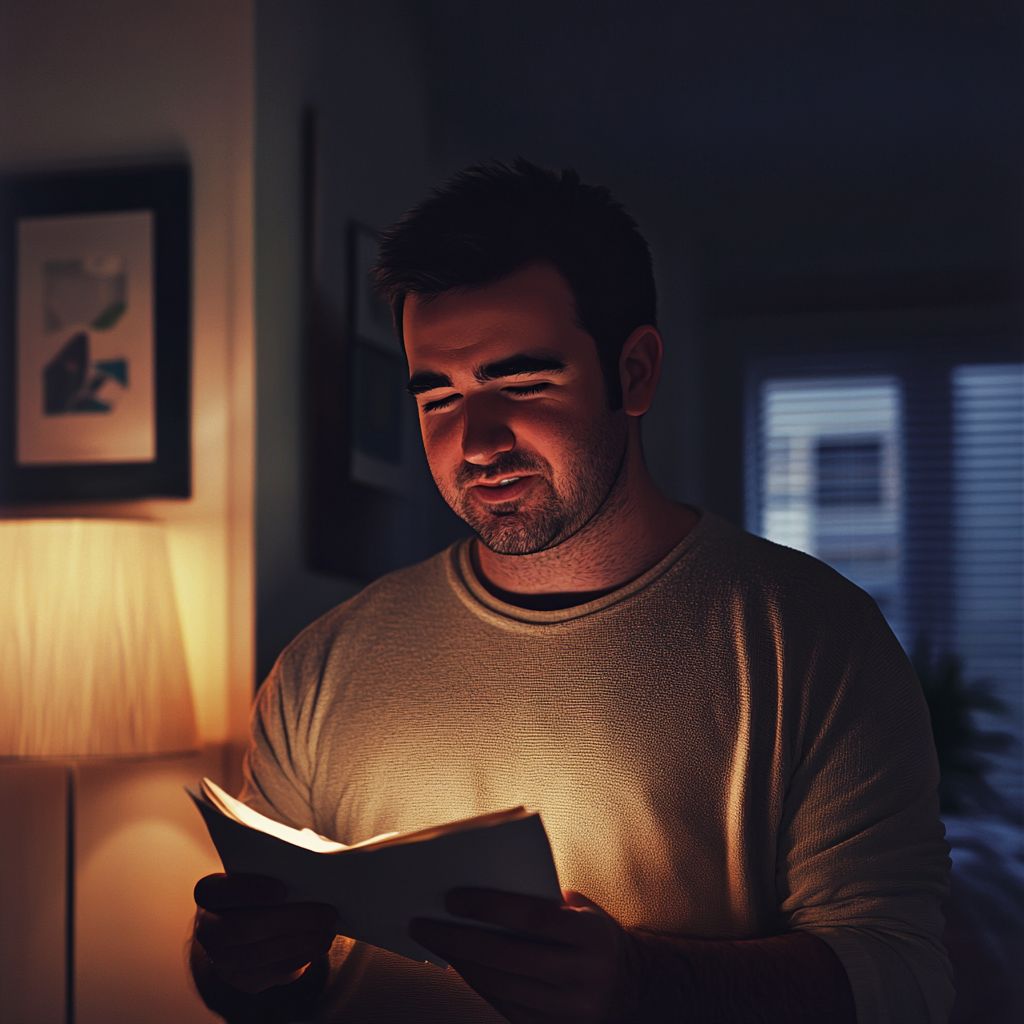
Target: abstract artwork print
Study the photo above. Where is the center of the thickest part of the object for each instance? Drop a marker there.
(85, 348)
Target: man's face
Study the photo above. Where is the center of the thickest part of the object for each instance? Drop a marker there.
(513, 411)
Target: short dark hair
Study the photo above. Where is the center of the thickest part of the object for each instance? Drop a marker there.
(491, 219)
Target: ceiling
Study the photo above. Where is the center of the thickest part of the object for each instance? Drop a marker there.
(803, 155)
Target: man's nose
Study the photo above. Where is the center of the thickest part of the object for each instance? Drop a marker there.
(485, 431)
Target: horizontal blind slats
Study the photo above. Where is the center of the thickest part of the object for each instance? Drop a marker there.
(988, 456)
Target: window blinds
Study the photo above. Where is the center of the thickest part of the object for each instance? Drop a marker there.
(831, 478)
(834, 455)
(988, 461)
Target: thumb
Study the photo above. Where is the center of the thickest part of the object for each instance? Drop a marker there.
(578, 901)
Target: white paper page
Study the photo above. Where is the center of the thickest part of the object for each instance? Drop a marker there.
(232, 808)
(377, 891)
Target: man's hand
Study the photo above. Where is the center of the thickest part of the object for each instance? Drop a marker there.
(565, 965)
(252, 938)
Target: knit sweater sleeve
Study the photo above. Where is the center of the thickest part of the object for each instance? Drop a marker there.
(862, 862)
(284, 731)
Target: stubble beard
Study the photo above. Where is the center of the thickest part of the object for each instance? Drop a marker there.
(546, 516)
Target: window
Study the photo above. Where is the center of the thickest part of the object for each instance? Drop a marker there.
(911, 484)
(988, 453)
(849, 472)
(832, 482)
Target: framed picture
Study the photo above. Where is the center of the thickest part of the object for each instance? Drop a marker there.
(371, 503)
(94, 335)
(378, 374)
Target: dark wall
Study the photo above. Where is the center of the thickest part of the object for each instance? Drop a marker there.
(357, 65)
(784, 159)
(832, 171)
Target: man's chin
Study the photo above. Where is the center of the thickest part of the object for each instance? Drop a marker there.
(511, 547)
(504, 535)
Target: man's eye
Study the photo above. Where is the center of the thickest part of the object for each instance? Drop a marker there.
(527, 389)
(440, 403)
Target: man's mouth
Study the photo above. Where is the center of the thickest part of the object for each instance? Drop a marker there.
(503, 488)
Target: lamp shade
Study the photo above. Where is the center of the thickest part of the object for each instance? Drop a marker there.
(91, 657)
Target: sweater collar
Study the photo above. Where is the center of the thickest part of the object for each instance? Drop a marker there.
(472, 592)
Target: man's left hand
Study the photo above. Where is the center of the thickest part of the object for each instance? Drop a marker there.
(565, 964)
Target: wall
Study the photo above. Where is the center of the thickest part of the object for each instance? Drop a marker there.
(106, 82)
(32, 908)
(356, 63)
(359, 65)
(99, 83)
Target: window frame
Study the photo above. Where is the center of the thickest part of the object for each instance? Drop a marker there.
(923, 366)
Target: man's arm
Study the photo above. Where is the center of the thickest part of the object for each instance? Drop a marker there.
(575, 963)
(789, 979)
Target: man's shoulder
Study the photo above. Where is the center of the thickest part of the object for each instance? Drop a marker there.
(751, 566)
(399, 600)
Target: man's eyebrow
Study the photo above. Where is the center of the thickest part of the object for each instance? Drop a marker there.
(427, 380)
(518, 364)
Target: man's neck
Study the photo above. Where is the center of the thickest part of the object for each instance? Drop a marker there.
(635, 528)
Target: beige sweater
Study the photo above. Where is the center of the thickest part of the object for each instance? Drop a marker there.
(731, 746)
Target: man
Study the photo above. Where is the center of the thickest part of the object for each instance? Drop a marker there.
(727, 744)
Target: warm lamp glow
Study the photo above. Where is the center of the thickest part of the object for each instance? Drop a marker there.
(91, 657)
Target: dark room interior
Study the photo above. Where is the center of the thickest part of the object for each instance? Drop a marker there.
(834, 199)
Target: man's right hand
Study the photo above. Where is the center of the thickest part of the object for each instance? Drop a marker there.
(252, 938)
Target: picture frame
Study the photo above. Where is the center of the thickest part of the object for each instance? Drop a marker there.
(95, 322)
(380, 452)
(371, 504)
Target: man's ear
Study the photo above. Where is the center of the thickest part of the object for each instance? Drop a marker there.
(640, 369)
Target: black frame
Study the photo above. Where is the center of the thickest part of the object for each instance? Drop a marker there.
(353, 530)
(166, 191)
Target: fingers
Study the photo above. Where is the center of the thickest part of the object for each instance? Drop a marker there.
(242, 926)
(558, 962)
(578, 901)
(259, 979)
(528, 914)
(256, 947)
(216, 892)
(306, 946)
(496, 949)
(577, 922)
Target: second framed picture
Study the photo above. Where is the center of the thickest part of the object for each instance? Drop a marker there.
(380, 452)
(371, 503)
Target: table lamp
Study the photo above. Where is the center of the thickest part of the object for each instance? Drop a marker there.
(91, 657)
